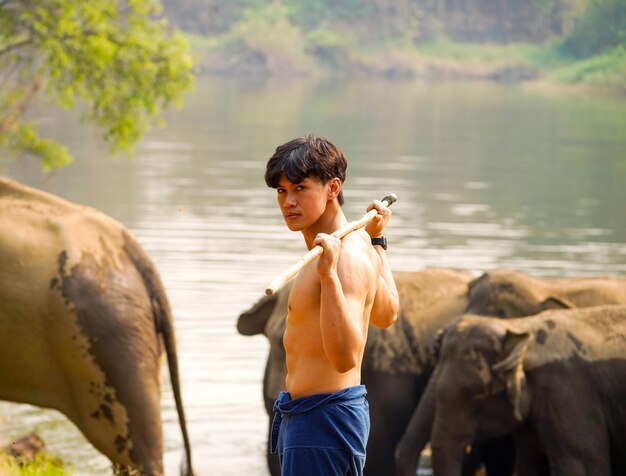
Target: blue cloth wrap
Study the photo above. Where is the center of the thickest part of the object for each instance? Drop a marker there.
(324, 434)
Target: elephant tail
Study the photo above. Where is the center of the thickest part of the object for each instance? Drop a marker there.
(164, 325)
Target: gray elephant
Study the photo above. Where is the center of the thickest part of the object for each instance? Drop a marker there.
(505, 294)
(556, 380)
(509, 293)
(397, 361)
(84, 323)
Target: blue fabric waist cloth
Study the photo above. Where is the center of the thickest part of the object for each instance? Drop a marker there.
(337, 420)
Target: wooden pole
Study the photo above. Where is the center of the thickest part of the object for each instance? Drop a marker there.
(316, 251)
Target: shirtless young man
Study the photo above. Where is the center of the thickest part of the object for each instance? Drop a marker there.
(322, 421)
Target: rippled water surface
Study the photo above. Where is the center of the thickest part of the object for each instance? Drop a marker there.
(487, 176)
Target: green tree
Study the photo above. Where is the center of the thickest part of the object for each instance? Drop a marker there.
(115, 57)
(600, 28)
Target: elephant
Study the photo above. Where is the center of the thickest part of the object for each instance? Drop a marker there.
(556, 380)
(85, 325)
(507, 294)
(510, 293)
(397, 361)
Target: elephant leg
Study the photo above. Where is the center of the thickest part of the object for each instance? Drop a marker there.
(124, 423)
(498, 455)
(392, 398)
(273, 384)
(144, 440)
(574, 460)
(114, 377)
(530, 459)
(573, 432)
(417, 433)
(472, 462)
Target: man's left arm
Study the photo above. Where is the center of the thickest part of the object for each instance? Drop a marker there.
(386, 302)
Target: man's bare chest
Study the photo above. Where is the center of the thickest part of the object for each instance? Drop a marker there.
(304, 300)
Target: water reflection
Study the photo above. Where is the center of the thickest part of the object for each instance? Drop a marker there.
(487, 176)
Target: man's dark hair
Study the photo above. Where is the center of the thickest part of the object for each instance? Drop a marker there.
(304, 157)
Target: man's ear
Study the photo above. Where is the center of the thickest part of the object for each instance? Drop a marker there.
(334, 187)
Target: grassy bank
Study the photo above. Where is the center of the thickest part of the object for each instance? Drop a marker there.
(44, 465)
(266, 41)
(440, 59)
(606, 70)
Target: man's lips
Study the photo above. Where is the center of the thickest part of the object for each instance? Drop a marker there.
(291, 215)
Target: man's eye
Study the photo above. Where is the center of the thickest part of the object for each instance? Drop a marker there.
(280, 190)
(300, 187)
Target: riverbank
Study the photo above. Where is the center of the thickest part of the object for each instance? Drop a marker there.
(40, 467)
(27, 456)
(541, 66)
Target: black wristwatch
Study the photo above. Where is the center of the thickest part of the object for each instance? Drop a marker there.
(380, 240)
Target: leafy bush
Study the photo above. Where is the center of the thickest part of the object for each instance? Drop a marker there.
(328, 47)
(44, 465)
(602, 27)
(267, 34)
(607, 69)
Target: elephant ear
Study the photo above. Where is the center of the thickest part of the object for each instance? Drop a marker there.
(557, 302)
(253, 321)
(474, 282)
(511, 367)
(436, 345)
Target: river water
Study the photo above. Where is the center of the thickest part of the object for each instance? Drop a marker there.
(486, 175)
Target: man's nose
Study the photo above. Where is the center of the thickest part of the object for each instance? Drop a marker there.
(290, 199)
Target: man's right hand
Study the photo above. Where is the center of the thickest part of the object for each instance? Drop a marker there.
(327, 262)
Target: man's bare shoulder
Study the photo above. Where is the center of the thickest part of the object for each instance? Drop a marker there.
(357, 261)
(357, 247)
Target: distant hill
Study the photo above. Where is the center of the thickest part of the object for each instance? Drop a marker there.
(569, 41)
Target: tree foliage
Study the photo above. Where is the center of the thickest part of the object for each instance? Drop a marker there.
(378, 21)
(208, 17)
(117, 57)
(601, 28)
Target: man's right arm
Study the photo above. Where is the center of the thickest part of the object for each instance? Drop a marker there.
(341, 305)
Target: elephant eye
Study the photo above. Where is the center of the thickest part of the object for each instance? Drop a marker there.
(499, 312)
(470, 355)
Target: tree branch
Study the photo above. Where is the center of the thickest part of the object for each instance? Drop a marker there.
(19, 109)
(16, 45)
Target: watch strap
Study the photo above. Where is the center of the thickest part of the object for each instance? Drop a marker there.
(380, 240)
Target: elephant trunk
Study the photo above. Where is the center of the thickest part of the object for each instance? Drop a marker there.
(450, 439)
(417, 433)
(447, 457)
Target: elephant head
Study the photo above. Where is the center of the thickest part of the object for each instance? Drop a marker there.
(479, 387)
(508, 293)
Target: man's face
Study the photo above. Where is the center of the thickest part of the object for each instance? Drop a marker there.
(302, 204)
